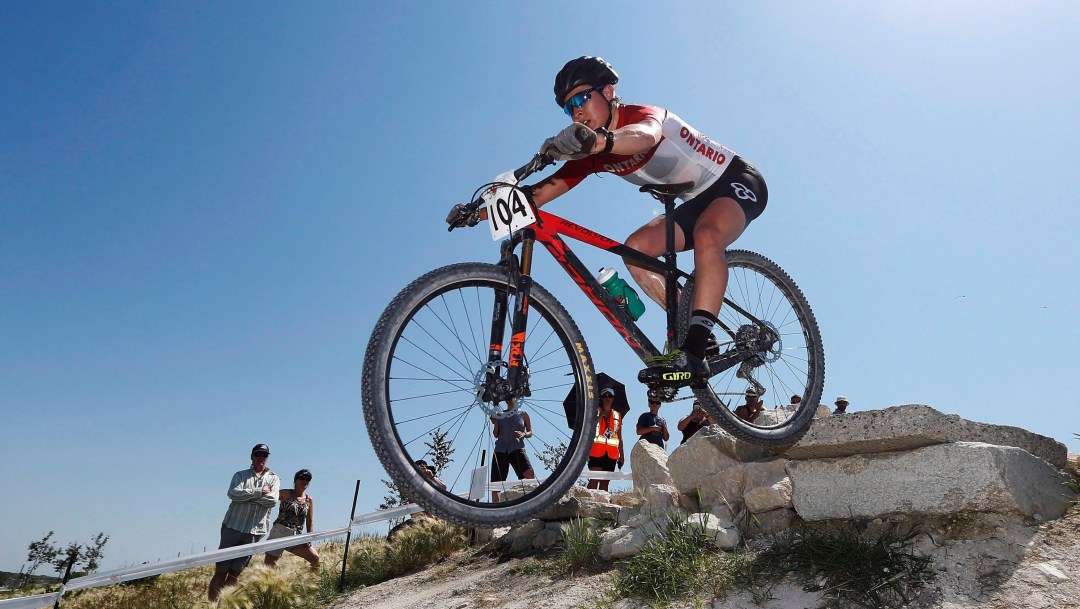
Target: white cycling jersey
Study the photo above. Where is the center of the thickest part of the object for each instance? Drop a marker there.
(683, 154)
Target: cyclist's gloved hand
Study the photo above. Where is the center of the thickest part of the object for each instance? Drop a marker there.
(462, 215)
(574, 142)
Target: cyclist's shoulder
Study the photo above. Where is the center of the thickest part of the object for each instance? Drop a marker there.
(636, 113)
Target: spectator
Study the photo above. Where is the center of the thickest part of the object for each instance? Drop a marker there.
(691, 423)
(651, 426)
(253, 493)
(796, 399)
(753, 407)
(419, 517)
(297, 510)
(510, 435)
(841, 405)
(607, 448)
(427, 472)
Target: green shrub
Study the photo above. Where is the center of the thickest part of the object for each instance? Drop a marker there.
(679, 561)
(367, 563)
(266, 589)
(423, 544)
(582, 540)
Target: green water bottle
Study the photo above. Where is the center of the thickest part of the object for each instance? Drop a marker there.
(623, 294)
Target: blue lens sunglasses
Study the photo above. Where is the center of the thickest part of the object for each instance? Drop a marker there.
(579, 100)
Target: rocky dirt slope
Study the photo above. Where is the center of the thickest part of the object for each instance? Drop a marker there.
(1014, 567)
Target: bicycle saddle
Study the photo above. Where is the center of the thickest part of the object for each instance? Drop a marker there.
(671, 190)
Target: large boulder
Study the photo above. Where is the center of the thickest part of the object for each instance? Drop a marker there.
(710, 467)
(933, 480)
(909, 427)
(650, 465)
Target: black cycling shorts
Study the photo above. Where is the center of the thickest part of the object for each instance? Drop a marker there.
(501, 463)
(604, 463)
(740, 182)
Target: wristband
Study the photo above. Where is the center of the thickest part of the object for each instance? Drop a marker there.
(609, 138)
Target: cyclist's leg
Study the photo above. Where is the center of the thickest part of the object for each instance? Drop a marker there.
(650, 239)
(722, 222)
(715, 219)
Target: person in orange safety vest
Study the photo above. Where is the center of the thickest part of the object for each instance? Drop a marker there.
(607, 448)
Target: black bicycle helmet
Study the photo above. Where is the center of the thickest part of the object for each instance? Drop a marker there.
(585, 70)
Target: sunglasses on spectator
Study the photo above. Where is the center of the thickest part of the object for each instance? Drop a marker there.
(260, 454)
(579, 100)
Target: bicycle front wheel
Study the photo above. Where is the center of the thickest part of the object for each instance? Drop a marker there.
(426, 369)
(777, 349)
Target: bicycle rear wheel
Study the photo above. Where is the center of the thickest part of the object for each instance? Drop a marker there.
(785, 357)
(425, 371)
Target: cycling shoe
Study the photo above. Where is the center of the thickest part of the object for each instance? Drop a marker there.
(678, 367)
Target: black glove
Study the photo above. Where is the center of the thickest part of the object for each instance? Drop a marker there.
(574, 142)
(462, 215)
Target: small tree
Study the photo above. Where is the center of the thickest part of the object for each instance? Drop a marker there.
(84, 559)
(395, 498)
(552, 455)
(40, 552)
(440, 450)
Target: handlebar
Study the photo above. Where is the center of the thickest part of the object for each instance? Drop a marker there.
(538, 162)
(468, 214)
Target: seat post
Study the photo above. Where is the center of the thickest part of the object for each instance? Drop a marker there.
(670, 281)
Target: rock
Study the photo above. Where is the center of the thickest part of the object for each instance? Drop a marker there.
(625, 541)
(766, 485)
(660, 499)
(551, 535)
(767, 498)
(909, 427)
(724, 513)
(627, 514)
(775, 415)
(769, 523)
(650, 465)
(705, 465)
(625, 499)
(573, 507)
(724, 442)
(590, 494)
(822, 411)
(519, 539)
(934, 480)
(724, 535)
(1052, 573)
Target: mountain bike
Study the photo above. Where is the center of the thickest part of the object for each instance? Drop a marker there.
(469, 343)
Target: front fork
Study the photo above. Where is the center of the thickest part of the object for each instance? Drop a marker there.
(498, 388)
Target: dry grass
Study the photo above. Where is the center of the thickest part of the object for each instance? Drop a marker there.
(292, 585)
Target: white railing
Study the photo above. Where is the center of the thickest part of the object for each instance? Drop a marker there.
(477, 490)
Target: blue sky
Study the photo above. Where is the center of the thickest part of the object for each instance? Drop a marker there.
(205, 207)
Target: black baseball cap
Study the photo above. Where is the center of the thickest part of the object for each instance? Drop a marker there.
(260, 448)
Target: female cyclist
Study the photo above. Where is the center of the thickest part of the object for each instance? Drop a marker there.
(652, 145)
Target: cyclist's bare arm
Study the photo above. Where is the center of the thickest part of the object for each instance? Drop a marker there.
(633, 138)
(548, 189)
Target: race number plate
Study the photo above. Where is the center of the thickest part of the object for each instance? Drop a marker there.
(507, 209)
